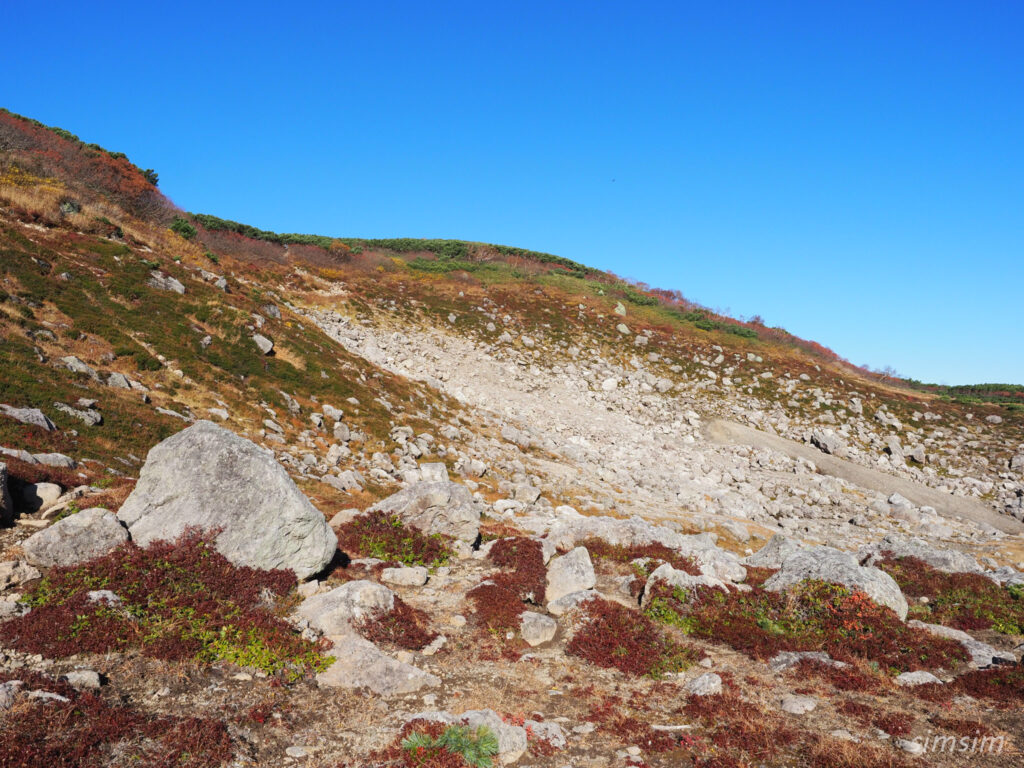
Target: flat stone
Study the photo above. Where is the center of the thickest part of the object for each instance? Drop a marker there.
(536, 628)
(708, 684)
(415, 576)
(798, 705)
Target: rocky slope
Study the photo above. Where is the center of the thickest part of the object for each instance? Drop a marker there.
(605, 531)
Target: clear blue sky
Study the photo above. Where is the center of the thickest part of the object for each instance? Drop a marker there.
(853, 172)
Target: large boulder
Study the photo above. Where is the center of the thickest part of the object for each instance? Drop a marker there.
(75, 539)
(572, 572)
(831, 565)
(669, 576)
(208, 477)
(446, 508)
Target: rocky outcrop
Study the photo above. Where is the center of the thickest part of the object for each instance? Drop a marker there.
(75, 539)
(772, 554)
(831, 565)
(208, 477)
(446, 508)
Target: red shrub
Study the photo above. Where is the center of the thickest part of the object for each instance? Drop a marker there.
(616, 637)
(178, 600)
(386, 537)
(600, 549)
(524, 558)
(855, 676)
(80, 732)
(1004, 686)
(405, 627)
(813, 616)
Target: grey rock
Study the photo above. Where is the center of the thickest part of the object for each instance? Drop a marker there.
(782, 661)
(568, 602)
(32, 416)
(572, 572)
(75, 539)
(446, 508)
(712, 560)
(55, 460)
(88, 416)
(831, 565)
(39, 497)
(164, 282)
(334, 612)
(75, 365)
(358, 663)
(798, 705)
(912, 679)
(83, 679)
(536, 628)
(209, 477)
(708, 684)
(265, 345)
(772, 554)
(434, 472)
(15, 572)
(548, 731)
(415, 576)
(119, 381)
(827, 441)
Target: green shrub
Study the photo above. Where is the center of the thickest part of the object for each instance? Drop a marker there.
(151, 176)
(476, 746)
(182, 227)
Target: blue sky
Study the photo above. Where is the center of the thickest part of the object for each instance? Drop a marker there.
(853, 172)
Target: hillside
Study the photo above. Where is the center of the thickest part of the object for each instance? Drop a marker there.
(524, 425)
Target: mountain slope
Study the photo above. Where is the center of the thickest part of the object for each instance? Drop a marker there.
(556, 396)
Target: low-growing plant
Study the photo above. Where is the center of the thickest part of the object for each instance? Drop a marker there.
(1003, 686)
(967, 601)
(178, 600)
(80, 729)
(614, 636)
(600, 549)
(476, 746)
(812, 616)
(403, 627)
(386, 537)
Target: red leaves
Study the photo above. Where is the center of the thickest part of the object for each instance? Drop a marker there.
(616, 637)
(405, 627)
(80, 732)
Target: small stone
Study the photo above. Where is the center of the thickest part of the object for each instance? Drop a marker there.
(912, 747)
(537, 628)
(921, 677)
(81, 679)
(708, 684)
(415, 576)
(798, 705)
